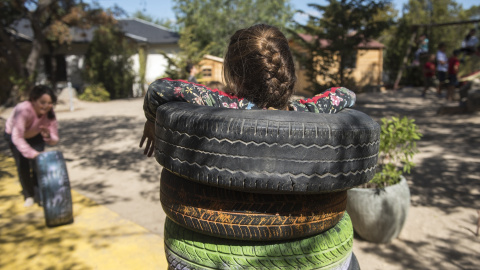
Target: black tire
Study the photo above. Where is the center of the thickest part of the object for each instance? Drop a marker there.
(186, 249)
(248, 216)
(267, 151)
(54, 187)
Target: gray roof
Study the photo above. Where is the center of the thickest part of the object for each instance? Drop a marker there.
(136, 29)
(22, 29)
(147, 31)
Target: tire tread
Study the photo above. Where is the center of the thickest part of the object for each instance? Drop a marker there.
(248, 216)
(316, 252)
(273, 151)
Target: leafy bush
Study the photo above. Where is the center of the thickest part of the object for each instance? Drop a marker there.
(397, 147)
(95, 93)
(108, 61)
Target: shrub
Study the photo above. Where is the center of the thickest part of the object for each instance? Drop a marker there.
(397, 147)
(108, 61)
(95, 93)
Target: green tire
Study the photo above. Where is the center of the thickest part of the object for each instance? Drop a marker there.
(186, 249)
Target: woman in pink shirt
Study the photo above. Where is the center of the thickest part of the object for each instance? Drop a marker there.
(31, 125)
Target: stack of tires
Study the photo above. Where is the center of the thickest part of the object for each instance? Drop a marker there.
(261, 189)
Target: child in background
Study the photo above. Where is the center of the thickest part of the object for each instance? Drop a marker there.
(422, 49)
(259, 73)
(453, 64)
(192, 71)
(442, 67)
(429, 74)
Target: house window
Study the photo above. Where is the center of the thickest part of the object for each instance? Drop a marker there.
(207, 72)
(351, 60)
(57, 65)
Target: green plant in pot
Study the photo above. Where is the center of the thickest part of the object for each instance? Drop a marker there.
(379, 208)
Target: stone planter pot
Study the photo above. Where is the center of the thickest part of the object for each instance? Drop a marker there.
(378, 215)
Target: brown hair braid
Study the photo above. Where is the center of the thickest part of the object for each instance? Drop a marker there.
(259, 66)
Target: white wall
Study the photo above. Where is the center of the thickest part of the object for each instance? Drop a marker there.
(156, 65)
(75, 65)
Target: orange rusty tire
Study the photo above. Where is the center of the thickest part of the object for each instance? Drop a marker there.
(241, 215)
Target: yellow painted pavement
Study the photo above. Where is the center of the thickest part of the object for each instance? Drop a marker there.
(97, 239)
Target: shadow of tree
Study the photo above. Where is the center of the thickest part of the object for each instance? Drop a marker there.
(450, 252)
(445, 184)
(27, 243)
(24, 237)
(50, 248)
(109, 143)
(445, 175)
(99, 189)
(86, 138)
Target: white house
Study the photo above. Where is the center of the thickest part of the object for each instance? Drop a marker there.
(155, 39)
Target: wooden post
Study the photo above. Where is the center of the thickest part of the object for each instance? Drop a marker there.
(405, 58)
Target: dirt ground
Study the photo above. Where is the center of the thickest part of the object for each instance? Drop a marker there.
(100, 144)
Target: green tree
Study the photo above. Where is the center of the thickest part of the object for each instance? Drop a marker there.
(396, 41)
(434, 12)
(473, 13)
(206, 25)
(342, 26)
(108, 62)
(419, 17)
(50, 22)
(159, 21)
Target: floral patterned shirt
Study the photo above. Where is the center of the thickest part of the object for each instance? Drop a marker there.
(165, 90)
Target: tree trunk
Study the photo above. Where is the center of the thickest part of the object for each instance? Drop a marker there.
(341, 69)
(33, 56)
(11, 53)
(405, 58)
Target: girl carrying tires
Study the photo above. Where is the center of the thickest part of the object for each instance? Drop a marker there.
(31, 125)
(260, 74)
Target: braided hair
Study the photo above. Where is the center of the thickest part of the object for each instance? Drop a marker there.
(259, 66)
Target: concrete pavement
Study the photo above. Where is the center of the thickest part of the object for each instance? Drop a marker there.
(98, 238)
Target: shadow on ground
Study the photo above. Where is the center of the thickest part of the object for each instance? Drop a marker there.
(444, 184)
(450, 254)
(85, 138)
(110, 145)
(97, 239)
(446, 175)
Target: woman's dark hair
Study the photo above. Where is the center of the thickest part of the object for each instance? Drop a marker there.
(259, 66)
(40, 90)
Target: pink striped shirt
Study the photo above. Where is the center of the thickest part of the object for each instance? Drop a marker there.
(24, 123)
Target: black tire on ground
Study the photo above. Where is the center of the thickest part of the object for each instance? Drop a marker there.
(54, 187)
(186, 249)
(248, 216)
(267, 151)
